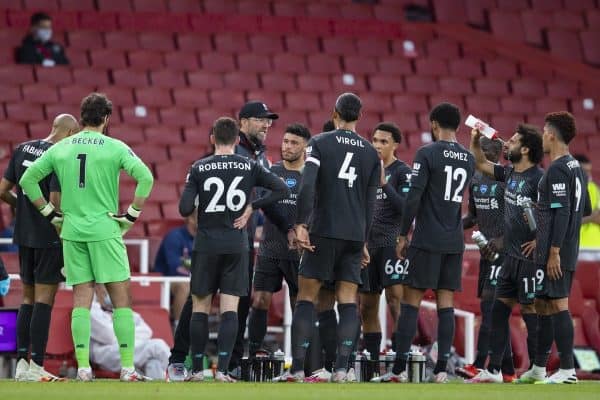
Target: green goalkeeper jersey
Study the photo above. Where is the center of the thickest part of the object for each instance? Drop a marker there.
(88, 165)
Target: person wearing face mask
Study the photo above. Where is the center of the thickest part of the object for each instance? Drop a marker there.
(37, 47)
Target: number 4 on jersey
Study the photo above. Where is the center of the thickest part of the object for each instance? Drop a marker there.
(346, 171)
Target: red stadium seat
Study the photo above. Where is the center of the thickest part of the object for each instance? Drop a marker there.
(24, 112)
(231, 43)
(338, 46)
(273, 98)
(454, 12)
(190, 97)
(314, 82)
(562, 89)
(172, 172)
(85, 40)
(167, 79)
(39, 93)
(225, 98)
(191, 42)
(217, 62)
(241, 80)
(303, 101)
(357, 11)
(410, 103)
(545, 105)
(500, 69)
(153, 97)
(114, 5)
(77, 5)
(13, 131)
(289, 63)
(157, 41)
(163, 134)
(122, 96)
(324, 64)
(299, 44)
(205, 80)
(73, 94)
(178, 116)
(16, 74)
(491, 87)
(130, 78)
(184, 6)
(90, 76)
(482, 104)
(528, 87)
(253, 63)
(130, 134)
(465, 68)
(100, 21)
(289, 9)
(339, 85)
(565, 44)
(108, 58)
(431, 67)
(534, 23)
(589, 41)
(149, 6)
(58, 76)
(442, 48)
(10, 93)
(60, 341)
(459, 86)
(148, 117)
(118, 40)
(420, 85)
(507, 25)
(220, 7)
(278, 81)
(387, 84)
(145, 294)
(181, 61)
(158, 320)
(516, 105)
(146, 59)
(266, 44)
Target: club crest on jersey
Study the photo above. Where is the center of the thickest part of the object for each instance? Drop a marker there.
(483, 188)
(493, 189)
(512, 184)
(291, 182)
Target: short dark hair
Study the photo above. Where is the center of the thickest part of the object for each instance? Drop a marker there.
(225, 130)
(447, 115)
(532, 139)
(348, 106)
(489, 145)
(564, 123)
(39, 17)
(328, 126)
(582, 158)
(299, 130)
(391, 128)
(94, 108)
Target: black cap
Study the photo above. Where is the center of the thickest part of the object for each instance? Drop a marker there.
(256, 109)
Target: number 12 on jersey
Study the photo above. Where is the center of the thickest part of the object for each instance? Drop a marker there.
(453, 175)
(346, 171)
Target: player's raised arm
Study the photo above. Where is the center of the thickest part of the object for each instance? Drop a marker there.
(481, 162)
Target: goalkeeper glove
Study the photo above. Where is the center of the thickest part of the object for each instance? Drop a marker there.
(4, 286)
(55, 217)
(126, 220)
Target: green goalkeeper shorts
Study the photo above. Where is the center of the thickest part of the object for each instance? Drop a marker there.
(104, 261)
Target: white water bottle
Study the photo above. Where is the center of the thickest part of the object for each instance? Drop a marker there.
(485, 129)
(481, 241)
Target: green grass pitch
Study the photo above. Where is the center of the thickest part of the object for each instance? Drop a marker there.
(114, 390)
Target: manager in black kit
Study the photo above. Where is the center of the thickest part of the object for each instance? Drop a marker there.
(222, 184)
(338, 188)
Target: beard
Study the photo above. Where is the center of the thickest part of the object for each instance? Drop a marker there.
(514, 156)
(290, 157)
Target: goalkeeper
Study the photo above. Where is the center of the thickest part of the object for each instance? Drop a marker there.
(87, 166)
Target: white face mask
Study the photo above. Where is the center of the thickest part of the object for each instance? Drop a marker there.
(44, 34)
